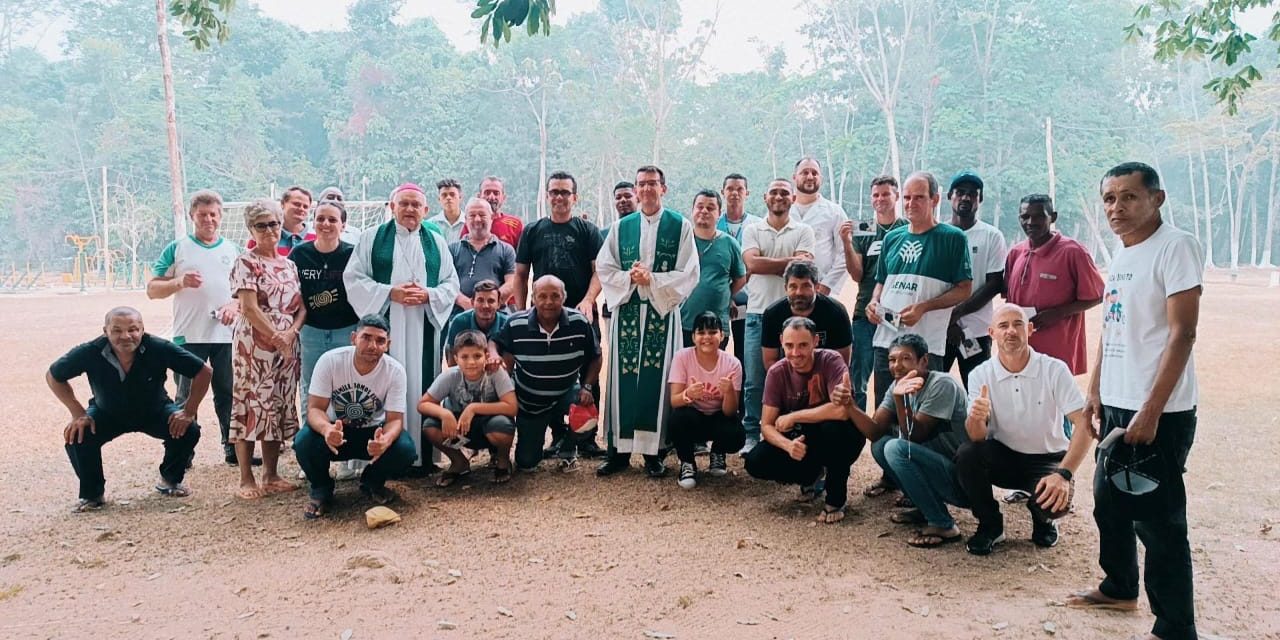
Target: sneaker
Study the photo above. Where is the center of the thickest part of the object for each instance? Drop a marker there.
(701, 449)
(751, 444)
(984, 541)
(1044, 534)
(346, 472)
(688, 475)
(654, 467)
(719, 465)
(612, 465)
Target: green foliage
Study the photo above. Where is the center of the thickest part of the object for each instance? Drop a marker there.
(501, 15)
(204, 20)
(1209, 30)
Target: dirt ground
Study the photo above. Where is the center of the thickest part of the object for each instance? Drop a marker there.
(572, 556)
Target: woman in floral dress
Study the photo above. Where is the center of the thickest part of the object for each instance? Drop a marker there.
(266, 356)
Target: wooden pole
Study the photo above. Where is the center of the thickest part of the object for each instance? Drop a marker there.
(106, 233)
(1048, 152)
(171, 124)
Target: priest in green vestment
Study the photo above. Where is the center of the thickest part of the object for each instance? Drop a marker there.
(648, 266)
(402, 269)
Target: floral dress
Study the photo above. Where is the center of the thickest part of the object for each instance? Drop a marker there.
(264, 395)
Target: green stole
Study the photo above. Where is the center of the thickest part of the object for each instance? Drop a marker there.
(641, 356)
(384, 246)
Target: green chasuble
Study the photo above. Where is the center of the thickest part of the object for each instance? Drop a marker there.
(384, 246)
(641, 340)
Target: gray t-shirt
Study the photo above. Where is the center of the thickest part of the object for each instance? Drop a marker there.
(942, 398)
(455, 392)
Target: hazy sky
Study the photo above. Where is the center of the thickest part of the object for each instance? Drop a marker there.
(733, 49)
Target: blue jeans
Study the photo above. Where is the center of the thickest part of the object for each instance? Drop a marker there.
(928, 478)
(753, 376)
(863, 360)
(531, 431)
(315, 343)
(877, 454)
(314, 457)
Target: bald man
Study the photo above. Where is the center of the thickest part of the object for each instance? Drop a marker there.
(127, 367)
(550, 374)
(1017, 402)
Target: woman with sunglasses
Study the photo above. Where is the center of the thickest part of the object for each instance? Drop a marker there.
(264, 400)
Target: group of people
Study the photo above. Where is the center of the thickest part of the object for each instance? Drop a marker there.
(431, 339)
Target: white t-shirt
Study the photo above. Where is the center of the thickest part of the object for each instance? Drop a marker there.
(1135, 321)
(1027, 407)
(362, 401)
(193, 319)
(825, 217)
(765, 289)
(987, 253)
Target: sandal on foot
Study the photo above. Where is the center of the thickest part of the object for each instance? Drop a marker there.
(449, 478)
(246, 493)
(922, 540)
(830, 514)
(89, 504)
(878, 489)
(903, 502)
(175, 491)
(1095, 599)
(381, 496)
(316, 509)
(910, 516)
(501, 475)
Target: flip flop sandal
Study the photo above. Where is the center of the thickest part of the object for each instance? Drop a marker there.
(316, 509)
(911, 516)
(1086, 600)
(933, 540)
(449, 478)
(876, 490)
(828, 512)
(176, 491)
(88, 504)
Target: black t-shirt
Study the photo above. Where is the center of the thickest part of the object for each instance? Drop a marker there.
(141, 393)
(564, 250)
(320, 275)
(834, 331)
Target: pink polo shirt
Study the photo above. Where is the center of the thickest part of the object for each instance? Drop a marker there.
(1057, 273)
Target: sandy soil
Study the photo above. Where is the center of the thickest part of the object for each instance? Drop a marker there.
(573, 556)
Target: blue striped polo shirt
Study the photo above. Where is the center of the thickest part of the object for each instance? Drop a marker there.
(547, 364)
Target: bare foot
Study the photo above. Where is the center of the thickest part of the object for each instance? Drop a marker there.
(830, 515)
(279, 485)
(249, 492)
(1095, 599)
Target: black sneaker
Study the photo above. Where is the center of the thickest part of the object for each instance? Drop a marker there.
(1044, 534)
(688, 475)
(554, 449)
(231, 461)
(984, 541)
(613, 464)
(589, 449)
(654, 467)
(719, 466)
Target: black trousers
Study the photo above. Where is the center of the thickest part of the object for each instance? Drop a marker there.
(218, 355)
(86, 457)
(739, 328)
(833, 446)
(981, 465)
(1168, 561)
(690, 427)
(967, 364)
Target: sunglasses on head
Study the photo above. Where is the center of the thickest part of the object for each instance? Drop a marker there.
(263, 226)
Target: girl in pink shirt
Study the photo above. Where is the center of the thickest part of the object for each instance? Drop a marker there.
(706, 385)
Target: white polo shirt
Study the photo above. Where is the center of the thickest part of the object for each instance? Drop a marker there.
(1027, 407)
(764, 289)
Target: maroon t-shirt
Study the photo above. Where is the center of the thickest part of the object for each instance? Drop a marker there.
(789, 390)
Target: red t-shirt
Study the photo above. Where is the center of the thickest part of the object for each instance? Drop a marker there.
(506, 228)
(1057, 273)
(790, 391)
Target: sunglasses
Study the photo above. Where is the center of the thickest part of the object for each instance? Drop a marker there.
(263, 226)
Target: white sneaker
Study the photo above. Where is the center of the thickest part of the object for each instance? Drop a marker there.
(751, 444)
(346, 471)
(688, 476)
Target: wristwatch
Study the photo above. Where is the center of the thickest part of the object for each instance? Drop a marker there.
(588, 388)
(1064, 472)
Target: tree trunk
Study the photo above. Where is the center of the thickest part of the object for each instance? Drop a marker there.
(1271, 200)
(171, 125)
(1195, 204)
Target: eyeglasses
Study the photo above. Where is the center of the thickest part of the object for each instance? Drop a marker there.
(559, 193)
(263, 226)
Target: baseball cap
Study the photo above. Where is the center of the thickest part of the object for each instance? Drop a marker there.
(1141, 479)
(963, 177)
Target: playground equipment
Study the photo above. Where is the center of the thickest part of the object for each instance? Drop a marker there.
(81, 264)
(20, 279)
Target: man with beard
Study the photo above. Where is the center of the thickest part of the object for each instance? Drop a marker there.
(830, 320)
(1054, 278)
(647, 270)
(127, 368)
(967, 339)
(508, 228)
(722, 273)
(767, 248)
(481, 256)
(734, 221)
(483, 316)
(825, 217)
(403, 271)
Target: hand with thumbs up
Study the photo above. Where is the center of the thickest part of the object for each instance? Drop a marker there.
(377, 445)
(842, 394)
(798, 449)
(981, 408)
(726, 385)
(333, 438)
(693, 391)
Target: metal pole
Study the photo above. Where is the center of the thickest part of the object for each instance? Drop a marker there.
(1048, 152)
(106, 233)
